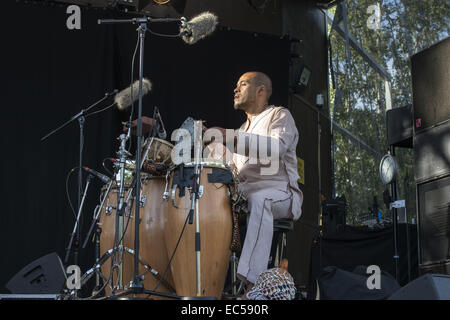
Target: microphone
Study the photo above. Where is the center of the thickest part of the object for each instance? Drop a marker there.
(123, 98)
(108, 94)
(161, 130)
(102, 177)
(198, 27)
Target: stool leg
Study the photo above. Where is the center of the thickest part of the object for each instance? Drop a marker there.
(280, 249)
(273, 250)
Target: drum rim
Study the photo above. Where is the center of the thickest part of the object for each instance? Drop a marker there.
(159, 140)
(206, 164)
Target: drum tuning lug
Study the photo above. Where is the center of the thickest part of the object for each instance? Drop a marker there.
(165, 195)
(109, 209)
(174, 189)
(200, 191)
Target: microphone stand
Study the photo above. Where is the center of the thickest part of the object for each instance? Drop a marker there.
(195, 195)
(393, 187)
(76, 229)
(81, 117)
(136, 286)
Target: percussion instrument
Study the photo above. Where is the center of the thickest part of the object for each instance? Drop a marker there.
(160, 151)
(215, 220)
(153, 253)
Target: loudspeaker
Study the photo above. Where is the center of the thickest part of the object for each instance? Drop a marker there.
(399, 125)
(430, 72)
(334, 215)
(432, 153)
(45, 275)
(443, 267)
(338, 284)
(427, 287)
(433, 205)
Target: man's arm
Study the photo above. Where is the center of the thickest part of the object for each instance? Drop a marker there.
(282, 134)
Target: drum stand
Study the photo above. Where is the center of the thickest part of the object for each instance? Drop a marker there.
(195, 195)
(118, 247)
(136, 286)
(98, 230)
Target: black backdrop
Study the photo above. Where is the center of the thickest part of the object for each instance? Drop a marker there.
(362, 246)
(50, 73)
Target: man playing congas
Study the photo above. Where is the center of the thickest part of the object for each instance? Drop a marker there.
(264, 155)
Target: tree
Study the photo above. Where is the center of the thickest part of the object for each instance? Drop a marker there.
(405, 28)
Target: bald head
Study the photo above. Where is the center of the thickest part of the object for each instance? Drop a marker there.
(261, 79)
(252, 92)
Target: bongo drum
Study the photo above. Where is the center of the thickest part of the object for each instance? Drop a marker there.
(215, 220)
(160, 151)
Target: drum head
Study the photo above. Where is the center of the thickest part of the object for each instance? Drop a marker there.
(160, 151)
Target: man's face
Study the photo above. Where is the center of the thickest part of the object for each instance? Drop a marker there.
(245, 92)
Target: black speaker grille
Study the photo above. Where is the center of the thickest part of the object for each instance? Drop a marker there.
(434, 220)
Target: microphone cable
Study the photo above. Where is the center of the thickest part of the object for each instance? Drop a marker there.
(101, 110)
(67, 190)
(163, 35)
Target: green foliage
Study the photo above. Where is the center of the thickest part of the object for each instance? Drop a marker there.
(406, 27)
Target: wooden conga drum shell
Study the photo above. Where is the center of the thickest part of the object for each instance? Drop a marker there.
(215, 237)
(152, 249)
(152, 246)
(107, 223)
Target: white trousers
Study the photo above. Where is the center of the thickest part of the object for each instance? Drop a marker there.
(264, 205)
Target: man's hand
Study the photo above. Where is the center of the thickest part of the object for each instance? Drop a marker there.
(214, 133)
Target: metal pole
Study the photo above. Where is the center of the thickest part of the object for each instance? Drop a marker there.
(137, 281)
(198, 151)
(393, 187)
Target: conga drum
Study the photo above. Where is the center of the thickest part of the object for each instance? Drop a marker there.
(152, 250)
(215, 224)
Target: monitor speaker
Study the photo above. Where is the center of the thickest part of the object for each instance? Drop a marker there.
(45, 275)
(399, 125)
(432, 153)
(430, 72)
(433, 206)
(427, 287)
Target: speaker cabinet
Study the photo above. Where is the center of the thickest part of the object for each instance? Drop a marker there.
(434, 220)
(432, 153)
(442, 267)
(427, 287)
(45, 275)
(430, 71)
(399, 125)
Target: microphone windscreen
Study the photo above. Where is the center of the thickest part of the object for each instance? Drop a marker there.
(124, 98)
(199, 27)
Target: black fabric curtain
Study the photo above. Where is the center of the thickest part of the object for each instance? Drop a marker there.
(50, 73)
(362, 246)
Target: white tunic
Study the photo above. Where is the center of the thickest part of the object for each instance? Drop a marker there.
(272, 194)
